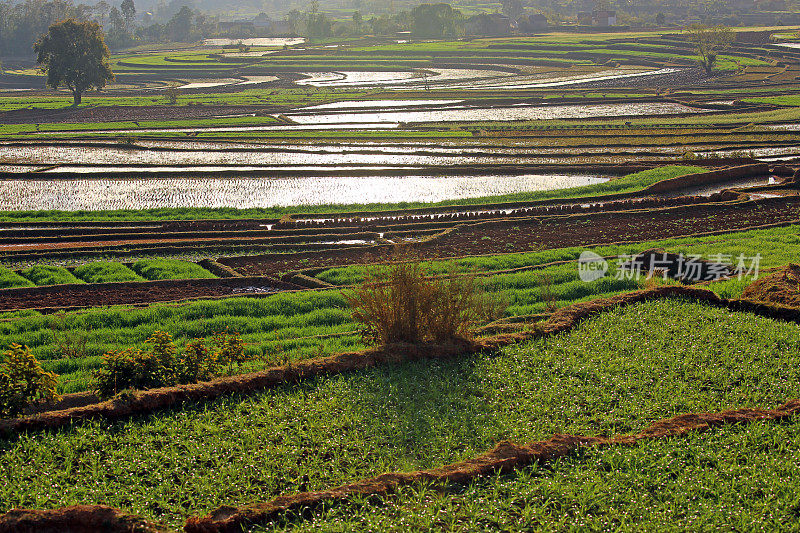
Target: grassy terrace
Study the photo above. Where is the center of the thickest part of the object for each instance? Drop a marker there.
(630, 183)
(615, 373)
(151, 269)
(287, 326)
(734, 477)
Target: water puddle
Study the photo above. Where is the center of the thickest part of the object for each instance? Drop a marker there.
(252, 80)
(455, 78)
(338, 79)
(225, 129)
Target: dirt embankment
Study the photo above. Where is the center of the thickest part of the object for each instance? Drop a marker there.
(125, 293)
(782, 288)
(130, 113)
(505, 457)
(519, 235)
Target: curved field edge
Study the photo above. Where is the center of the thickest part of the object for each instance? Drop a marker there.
(740, 477)
(630, 183)
(506, 457)
(565, 319)
(289, 327)
(611, 375)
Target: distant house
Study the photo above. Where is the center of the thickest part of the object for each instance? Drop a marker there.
(532, 23)
(262, 22)
(490, 24)
(599, 18)
(237, 28)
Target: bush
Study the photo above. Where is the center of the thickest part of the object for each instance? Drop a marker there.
(50, 275)
(106, 272)
(23, 381)
(162, 365)
(400, 303)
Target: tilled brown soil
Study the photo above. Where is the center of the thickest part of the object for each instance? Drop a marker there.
(130, 113)
(100, 294)
(538, 233)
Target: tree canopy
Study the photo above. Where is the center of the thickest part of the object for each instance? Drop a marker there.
(709, 41)
(74, 54)
(435, 21)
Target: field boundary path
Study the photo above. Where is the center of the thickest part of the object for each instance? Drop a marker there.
(505, 457)
(564, 319)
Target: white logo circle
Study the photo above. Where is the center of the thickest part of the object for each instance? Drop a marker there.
(591, 266)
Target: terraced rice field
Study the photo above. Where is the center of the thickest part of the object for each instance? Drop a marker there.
(256, 200)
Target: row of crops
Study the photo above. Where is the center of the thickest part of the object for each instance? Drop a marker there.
(102, 272)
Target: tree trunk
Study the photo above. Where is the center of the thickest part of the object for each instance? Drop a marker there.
(76, 98)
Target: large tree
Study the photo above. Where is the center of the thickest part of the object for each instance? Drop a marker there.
(436, 21)
(709, 41)
(512, 8)
(74, 54)
(128, 9)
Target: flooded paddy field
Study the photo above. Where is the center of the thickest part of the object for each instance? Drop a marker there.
(472, 79)
(200, 157)
(520, 111)
(101, 194)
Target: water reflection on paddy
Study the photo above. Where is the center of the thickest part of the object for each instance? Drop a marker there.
(94, 194)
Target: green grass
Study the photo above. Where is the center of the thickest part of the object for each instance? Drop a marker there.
(775, 246)
(155, 269)
(106, 272)
(276, 329)
(613, 374)
(741, 478)
(50, 275)
(283, 327)
(10, 279)
(132, 128)
(630, 183)
(792, 100)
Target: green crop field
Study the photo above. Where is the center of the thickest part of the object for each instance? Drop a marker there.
(10, 279)
(106, 272)
(50, 275)
(615, 373)
(178, 121)
(155, 269)
(287, 326)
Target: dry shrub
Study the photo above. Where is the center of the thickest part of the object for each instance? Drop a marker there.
(400, 303)
(71, 343)
(171, 93)
(23, 381)
(548, 294)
